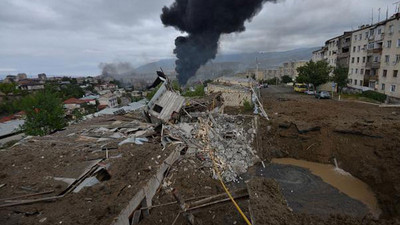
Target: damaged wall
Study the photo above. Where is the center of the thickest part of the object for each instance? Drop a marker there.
(232, 95)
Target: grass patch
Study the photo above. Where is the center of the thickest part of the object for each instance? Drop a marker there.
(367, 96)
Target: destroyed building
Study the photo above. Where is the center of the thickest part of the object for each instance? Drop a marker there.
(165, 104)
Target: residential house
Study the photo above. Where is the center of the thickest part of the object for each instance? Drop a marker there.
(30, 85)
(109, 100)
(42, 76)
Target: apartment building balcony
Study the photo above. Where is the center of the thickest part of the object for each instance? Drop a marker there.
(374, 51)
(343, 55)
(373, 65)
(378, 37)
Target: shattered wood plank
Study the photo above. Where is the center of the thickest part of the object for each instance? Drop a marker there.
(148, 191)
(26, 202)
(357, 133)
(136, 217)
(29, 195)
(189, 217)
(216, 202)
(91, 168)
(214, 197)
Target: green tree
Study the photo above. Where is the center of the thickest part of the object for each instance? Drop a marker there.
(176, 86)
(8, 88)
(44, 113)
(340, 77)
(315, 73)
(286, 79)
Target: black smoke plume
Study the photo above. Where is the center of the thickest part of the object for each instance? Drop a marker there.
(205, 21)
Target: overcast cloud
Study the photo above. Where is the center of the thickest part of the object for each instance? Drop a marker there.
(71, 37)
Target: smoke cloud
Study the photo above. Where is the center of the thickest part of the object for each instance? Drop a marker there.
(205, 21)
(121, 71)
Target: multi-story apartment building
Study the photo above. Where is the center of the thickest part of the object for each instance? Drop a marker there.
(344, 45)
(319, 54)
(389, 77)
(336, 51)
(332, 51)
(358, 56)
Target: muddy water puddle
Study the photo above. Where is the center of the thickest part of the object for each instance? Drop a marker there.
(339, 179)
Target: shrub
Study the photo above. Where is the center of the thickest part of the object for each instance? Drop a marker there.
(248, 106)
(198, 92)
(374, 95)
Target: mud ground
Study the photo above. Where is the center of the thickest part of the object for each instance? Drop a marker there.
(362, 137)
(30, 168)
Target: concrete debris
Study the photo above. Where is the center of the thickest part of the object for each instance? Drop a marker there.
(101, 130)
(117, 136)
(138, 141)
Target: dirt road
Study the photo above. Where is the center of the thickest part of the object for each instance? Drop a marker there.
(362, 137)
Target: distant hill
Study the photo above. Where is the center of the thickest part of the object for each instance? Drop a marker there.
(241, 61)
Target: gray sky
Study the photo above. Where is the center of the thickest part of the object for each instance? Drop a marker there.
(71, 37)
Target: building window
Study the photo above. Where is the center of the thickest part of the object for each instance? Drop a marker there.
(387, 58)
(379, 31)
(389, 44)
(356, 71)
(354, 49)
(393, 88)
(371, 32)
(355, 82)
(361, 83)
(157, 108)
(398, 43)
(365, 48)
(362, 71)
(395, 72)
(384, 73)
(364, 59)
(366, 35)
(383, 87)
(360, 37)
(352, 60)
(391, 29)
(397, 59)
(352, 70)
(358, 59)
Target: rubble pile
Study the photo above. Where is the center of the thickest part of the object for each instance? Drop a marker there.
(232, 141)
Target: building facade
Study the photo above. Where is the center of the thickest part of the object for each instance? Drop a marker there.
(344, 45)
(332, 51)
(389, 81)
(358, 57)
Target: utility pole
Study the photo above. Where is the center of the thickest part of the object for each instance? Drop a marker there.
(372, 18)
(397, 6)
(379, 15)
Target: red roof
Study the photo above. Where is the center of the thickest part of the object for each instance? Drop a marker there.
(12, 117)
(7, 118)
(102, 107)
(74, 101)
